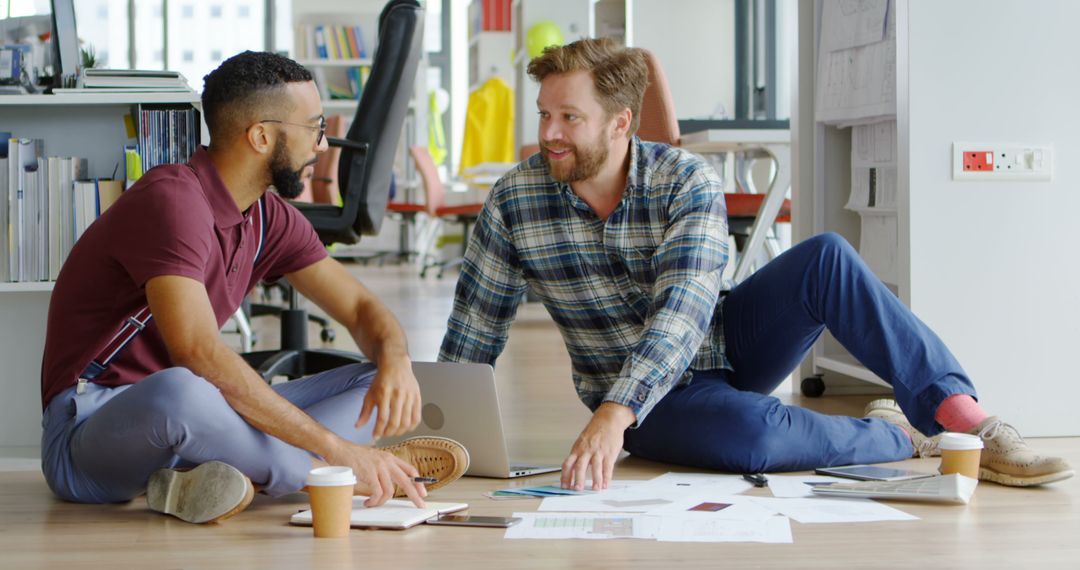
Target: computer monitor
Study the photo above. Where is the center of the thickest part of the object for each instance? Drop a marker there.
(67, 60)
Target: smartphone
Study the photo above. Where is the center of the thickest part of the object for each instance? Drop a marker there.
(872, 473)
(471, 520)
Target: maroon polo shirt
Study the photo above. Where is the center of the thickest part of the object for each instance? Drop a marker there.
(176, 220)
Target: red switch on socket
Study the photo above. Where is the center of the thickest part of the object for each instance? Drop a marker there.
(978, 160)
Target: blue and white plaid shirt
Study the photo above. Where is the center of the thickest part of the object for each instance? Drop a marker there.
(634, 296)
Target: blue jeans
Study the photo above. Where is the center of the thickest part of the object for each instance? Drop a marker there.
(102, 446)
(725, 420)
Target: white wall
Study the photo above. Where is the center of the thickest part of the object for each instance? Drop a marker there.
(695, 42)
(996, 264)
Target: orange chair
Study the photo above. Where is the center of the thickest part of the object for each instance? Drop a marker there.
(527, 150)
(659, 124)
(435, 205)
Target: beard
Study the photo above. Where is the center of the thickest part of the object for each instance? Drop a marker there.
(586, 161)
(287, 181)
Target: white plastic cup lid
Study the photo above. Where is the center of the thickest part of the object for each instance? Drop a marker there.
(332, 476)
(960, 441)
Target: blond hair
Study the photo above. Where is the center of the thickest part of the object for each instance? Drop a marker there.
(619, 73)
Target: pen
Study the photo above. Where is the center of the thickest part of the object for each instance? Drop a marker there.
(758, 479)
(427, 480)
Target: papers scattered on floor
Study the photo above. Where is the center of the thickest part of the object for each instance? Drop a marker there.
(592, 527)
(798, 486)
(818, 510)
(703, 506)
(695, 507)
(540, 491)
(648, 496)
(774, 529)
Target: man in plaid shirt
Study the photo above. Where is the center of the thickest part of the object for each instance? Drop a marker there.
(625, 242)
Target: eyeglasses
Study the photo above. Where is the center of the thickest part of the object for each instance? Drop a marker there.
(321, 128)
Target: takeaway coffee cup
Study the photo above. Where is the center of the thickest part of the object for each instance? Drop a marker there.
(331, 493)
(960, 454)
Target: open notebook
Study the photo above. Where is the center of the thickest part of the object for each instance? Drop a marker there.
(394, 514)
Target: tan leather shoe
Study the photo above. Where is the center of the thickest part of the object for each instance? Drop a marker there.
(887, 409)
(211, 492)
(1007, 459)
(441, 458)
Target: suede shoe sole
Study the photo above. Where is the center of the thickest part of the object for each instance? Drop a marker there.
(441, 458)
(211, 492)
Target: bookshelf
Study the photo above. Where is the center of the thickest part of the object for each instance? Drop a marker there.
(87, 125)
(491, 43)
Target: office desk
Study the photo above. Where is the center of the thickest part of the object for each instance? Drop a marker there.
(745, 145)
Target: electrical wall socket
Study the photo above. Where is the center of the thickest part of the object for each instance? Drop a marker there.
(1002, 161)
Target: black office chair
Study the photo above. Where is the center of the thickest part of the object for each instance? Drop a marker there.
(364, 172)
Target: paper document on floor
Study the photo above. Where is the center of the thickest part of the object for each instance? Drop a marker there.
(798, 486)
(592, 527)
(774, 530)
(649, 495)
(701, 506)
(819, 510)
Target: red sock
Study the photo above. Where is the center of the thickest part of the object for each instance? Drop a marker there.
(959, 413)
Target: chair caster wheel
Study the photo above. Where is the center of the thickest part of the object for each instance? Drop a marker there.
(813, 386)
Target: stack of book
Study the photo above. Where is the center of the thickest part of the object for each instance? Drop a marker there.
(330, 42)
(46, 203)
(129, 81)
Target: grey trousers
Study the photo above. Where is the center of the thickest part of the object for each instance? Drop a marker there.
(101, 446)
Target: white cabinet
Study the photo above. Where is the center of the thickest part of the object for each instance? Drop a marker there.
(85, 125)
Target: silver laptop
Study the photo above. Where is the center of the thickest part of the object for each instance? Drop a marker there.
(460, 403)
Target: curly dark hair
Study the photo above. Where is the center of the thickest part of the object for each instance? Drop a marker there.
(245, 85)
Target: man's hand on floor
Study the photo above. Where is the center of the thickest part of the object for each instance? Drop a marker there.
(597, 448)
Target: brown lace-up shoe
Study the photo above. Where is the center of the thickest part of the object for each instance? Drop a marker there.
(1007, 459)
(211, 492)
(441, 458)
(887, 409)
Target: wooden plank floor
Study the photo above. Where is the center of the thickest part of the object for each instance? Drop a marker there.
(1001, 528)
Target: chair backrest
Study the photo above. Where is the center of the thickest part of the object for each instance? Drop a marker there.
(434, 191)
(528, 150)
(364, 177)
(658, 120)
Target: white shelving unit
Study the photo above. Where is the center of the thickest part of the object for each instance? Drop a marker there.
(827, 197)
(973, 260)
(87, 125)
(574, 19)
(490, 56)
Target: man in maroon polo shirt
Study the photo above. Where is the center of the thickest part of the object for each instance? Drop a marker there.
(137, 384)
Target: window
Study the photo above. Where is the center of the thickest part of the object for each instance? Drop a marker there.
(169, 35)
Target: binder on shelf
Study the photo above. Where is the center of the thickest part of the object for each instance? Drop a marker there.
(132, 166)
(5, 269)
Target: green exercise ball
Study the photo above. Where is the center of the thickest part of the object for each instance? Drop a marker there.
(542, 35)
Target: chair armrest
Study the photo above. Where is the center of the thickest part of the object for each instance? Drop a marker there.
(346, 143)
